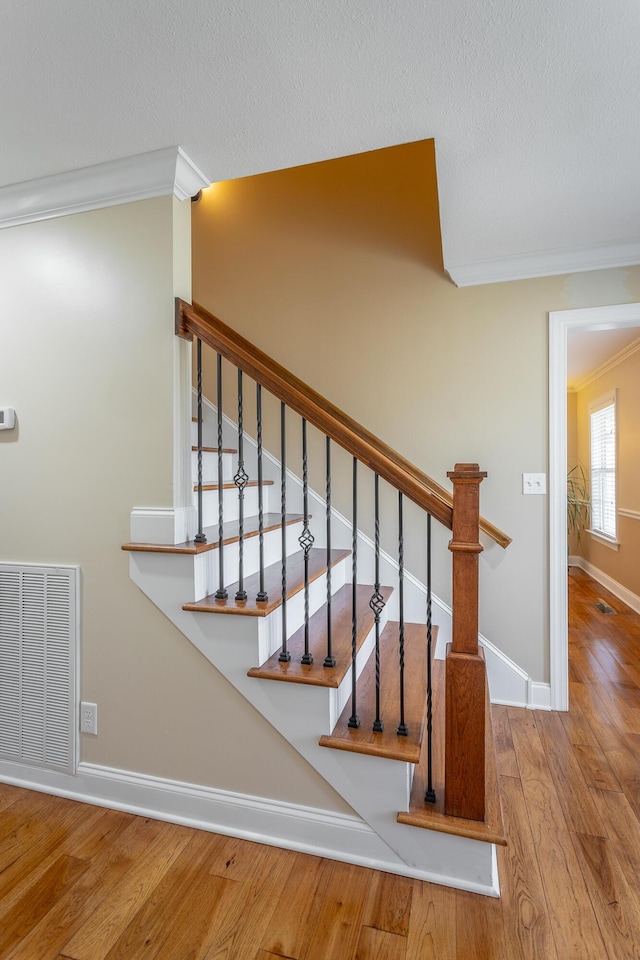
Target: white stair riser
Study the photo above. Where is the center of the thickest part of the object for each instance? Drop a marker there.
(210, 467)
(209, 433)
(375, 787)
(230, 504)
(208, 567)
(270, 629)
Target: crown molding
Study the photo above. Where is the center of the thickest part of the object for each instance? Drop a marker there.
(545, 263)
(167, 172)
(609, 364)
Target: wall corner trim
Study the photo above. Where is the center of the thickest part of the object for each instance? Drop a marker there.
(166, 172)
(546, 263)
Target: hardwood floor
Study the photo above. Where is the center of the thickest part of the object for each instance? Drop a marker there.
(85, 883)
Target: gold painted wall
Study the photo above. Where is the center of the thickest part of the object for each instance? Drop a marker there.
(622, 565)
(335, 269)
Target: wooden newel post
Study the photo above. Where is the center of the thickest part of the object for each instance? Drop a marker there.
(464, 792)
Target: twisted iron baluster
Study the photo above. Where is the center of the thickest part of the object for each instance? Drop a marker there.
(403, 729)
(221, 592)
(354, 719)
(285, 656)
(200, 536)
(329, 660)
(241, 479)
(377, 603)
(306, 540)
(262, 594)
(430, 794)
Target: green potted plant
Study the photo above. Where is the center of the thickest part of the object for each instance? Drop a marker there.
(578, 505)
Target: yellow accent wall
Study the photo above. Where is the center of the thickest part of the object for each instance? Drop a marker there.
(335, 269)
(622, 565)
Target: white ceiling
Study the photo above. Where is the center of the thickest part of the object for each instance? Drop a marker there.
(533, 106)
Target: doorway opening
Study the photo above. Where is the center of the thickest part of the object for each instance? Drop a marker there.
(561, 324)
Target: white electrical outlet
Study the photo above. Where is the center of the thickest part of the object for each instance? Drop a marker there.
(89, 718)
(534, 483)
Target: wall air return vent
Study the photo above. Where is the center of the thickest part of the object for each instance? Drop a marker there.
(38, 665)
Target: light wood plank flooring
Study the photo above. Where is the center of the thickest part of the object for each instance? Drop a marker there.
(85, 883)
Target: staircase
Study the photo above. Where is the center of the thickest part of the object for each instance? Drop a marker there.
(324, 633)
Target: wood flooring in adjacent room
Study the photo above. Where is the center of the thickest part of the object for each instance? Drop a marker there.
(86, 883)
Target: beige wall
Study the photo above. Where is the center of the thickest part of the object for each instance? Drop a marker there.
(335, 269)
(86, 359)
(622, 565)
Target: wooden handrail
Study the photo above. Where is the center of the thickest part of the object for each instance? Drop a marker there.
(195, 320)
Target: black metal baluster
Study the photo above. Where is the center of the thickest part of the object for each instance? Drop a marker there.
(241, 478)
(377, 602)
(221, 592)
(354, 719)
(329, 660)
(262, 595)
(430, 794)
(285, 656)
(200, 536)
(305, 540)
(403, 729)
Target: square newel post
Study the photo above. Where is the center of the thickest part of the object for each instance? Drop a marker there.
(464, 791)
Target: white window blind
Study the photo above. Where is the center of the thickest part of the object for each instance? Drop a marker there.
(602, 415)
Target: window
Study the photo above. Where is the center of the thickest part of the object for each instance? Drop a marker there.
(602, 417)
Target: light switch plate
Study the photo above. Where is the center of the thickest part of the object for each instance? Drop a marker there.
(534, 483)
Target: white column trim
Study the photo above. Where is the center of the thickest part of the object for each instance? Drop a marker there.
(560, 322)
(184, 510)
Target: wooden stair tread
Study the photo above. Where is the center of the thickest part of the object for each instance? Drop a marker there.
(271, 522)
(341, 614)
(388, 743)
(232, 486)
(215, 449)
(272, 584)
(431, 815)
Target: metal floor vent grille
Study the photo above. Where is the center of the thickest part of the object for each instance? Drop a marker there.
(38, 655)
(604, 607)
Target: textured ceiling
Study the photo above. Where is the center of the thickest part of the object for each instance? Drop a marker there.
(533, 106)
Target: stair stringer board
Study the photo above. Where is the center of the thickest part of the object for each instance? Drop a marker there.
(376, 788)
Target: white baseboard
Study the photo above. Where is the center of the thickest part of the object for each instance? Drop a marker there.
(321, 833)
(622, 593)
(539, 696)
